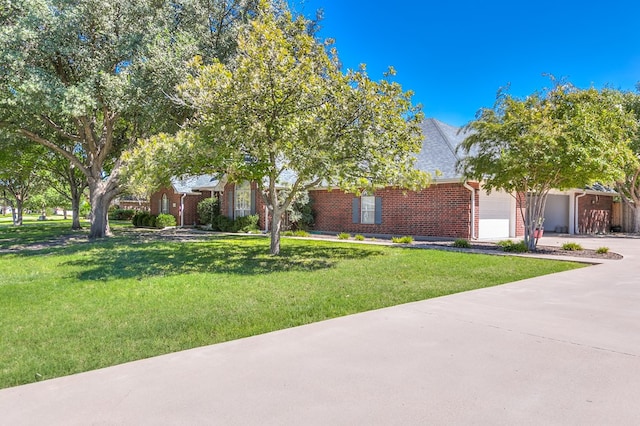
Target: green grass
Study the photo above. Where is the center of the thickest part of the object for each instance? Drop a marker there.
(90, 305)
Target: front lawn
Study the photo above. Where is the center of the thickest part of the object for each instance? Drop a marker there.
(82, 306)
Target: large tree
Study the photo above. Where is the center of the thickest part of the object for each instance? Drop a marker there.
(284, 115)
(99, 75)
(561, 138)
(629, 186)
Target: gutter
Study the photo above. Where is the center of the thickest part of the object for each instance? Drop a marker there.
(473, 209)
(182, 210)
(576, 227)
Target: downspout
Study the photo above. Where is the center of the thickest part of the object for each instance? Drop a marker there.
(576, 225)
(182, 210)
(473, 209)
(266, 219)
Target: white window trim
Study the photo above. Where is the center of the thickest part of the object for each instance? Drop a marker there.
(368, 210)
(242, 200)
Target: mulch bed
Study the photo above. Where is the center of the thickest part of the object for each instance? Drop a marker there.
(544, 250)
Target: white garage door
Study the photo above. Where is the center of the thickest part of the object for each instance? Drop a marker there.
(495, 214)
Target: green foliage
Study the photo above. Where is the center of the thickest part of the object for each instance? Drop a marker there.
(513, 247)
(561, 138)
(300, 212)
(144, 219)
(572, 247)
(246, 223)
(165, 220)
(208, 211)
(602, 250)
(241, 224)
(311, 122)
(88, 78)
(121, 214)
(296, 233)
(461, 243)
(359, 237)
(402, 240)
(344, 236)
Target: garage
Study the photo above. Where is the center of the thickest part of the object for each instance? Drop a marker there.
(556, 213)
(495, 215)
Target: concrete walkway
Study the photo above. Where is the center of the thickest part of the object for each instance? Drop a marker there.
(561, 349)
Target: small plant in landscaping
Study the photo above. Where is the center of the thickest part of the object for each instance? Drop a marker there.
(344, 236)
(402, 240)
(602, 250)
(461, 243)
(165, 220)
(359, 237)
(512, 247)
(571, 247)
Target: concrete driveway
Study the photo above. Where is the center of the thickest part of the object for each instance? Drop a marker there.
(561, 349)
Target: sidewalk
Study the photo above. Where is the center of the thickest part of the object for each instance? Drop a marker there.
(560, 349)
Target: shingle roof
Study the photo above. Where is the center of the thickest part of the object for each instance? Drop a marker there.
(439, 149)
(190, 185)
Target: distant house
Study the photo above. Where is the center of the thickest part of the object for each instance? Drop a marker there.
(450, 207)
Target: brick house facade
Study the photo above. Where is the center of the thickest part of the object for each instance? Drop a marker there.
(441, 210)
(173, 203)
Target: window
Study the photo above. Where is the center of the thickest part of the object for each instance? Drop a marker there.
(164, 204)
(243, 200)
(367, 209)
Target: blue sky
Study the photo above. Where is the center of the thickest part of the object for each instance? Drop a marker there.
(455, 55)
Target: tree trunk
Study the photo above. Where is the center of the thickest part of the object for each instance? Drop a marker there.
(636, 217)
(17, 213)
(76, 196)
(101, 193)
(75, 212)
(276, 225)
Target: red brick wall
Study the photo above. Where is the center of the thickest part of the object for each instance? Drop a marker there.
(441, 210)
(190, 204)
(594, 213)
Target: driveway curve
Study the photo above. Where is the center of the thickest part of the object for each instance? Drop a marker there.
(559, 349)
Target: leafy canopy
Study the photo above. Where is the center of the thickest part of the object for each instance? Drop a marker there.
(560, 138)
(282, 113)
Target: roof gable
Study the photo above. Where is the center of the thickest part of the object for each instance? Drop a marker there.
(438, 153)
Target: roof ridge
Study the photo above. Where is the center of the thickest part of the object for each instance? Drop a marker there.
(436, 123)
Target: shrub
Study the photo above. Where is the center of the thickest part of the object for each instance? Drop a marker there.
(165, 220)
(571, 247)
(461, 243)
(149, 220)
(602, 250)
(301, 233)
(208, 211)
(287, 234)
(139, 219)
(121, 214)
(512, 247)
(246, 223)
(224, 224)
(359, 237)
(344, 236)
(402, 240)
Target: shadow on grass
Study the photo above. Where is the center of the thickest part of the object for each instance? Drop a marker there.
(12, 237)
(224, 255)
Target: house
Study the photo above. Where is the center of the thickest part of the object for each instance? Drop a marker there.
(181, 199)
(450, 207)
